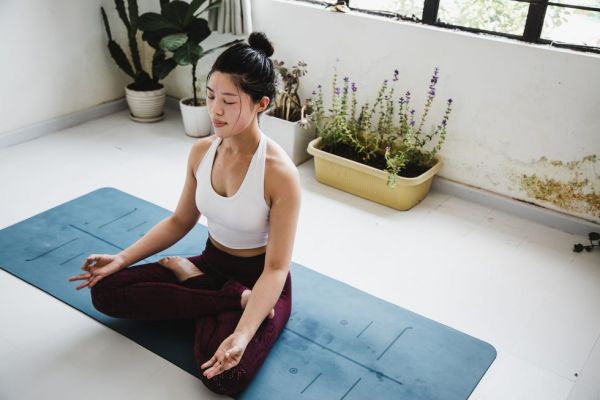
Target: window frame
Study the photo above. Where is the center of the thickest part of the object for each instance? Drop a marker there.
(532, 32)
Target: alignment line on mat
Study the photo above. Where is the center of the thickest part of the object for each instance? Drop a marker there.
(361, 332)
(346, 357)
(394, 341)
(136, 226)
(118, 218)
(349, 390)
(311, 382)
(97, 237)
(51, 250)
(72, 258)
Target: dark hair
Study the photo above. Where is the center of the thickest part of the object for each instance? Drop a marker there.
(250, 67)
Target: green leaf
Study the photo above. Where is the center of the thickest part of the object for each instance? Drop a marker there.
(163, 4)
(594, 236)
(106, 25)
(154, 37)
(133, 14)
(198, 30)
(194, 6)
(120, 58)
(120, 5)
(176, 11)
(215, 5)
(161, 67)
(173, 42)
(187, 54)
(155, 22)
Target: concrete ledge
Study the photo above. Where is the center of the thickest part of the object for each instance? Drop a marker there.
(530, 211)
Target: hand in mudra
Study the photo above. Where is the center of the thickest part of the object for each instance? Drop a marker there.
(98, 266)
(227, 356)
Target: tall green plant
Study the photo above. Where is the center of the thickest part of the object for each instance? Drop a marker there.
(141, 79)
(178, 31)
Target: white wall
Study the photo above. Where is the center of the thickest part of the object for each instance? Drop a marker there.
(55, 60)
(513, 103)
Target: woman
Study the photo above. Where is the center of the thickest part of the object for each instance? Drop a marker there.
(238, 291)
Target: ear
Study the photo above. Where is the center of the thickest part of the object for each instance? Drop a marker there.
(264, 103)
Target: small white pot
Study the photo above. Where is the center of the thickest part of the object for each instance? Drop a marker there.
(146, 105)
(292, 137)
(196, 121)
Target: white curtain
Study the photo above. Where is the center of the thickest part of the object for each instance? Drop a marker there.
(232, 17)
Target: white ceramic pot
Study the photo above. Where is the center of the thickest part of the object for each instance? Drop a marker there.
(290, 136)
(196, 121)
(147, 104)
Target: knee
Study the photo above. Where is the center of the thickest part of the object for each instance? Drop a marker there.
(230, 382)
(104, 297)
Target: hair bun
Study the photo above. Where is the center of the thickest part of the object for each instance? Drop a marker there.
(259, 41)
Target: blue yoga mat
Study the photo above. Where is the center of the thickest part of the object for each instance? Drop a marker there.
(340, 342)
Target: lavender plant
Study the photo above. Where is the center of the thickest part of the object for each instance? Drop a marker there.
(373, 137)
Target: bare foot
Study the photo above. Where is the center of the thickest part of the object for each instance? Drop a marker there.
(246, 295)
(181, 267)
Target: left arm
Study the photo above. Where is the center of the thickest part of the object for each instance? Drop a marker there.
(283, 219)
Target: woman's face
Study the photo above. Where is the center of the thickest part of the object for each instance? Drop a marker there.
(225, 103)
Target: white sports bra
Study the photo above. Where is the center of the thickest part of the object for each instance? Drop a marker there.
(240, 221)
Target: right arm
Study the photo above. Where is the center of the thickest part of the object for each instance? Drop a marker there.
(171, 229)
(163, 235)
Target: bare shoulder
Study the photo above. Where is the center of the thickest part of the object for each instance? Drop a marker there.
(199, 149)
(281, 175)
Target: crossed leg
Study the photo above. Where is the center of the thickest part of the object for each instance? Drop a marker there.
(213, 329)
(152, 292)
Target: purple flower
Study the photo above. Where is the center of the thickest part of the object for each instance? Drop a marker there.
(396, 75)
(346, 79)
(337, 91)
(319, 86)
(412, 123)
(354, 88)
(314, 93)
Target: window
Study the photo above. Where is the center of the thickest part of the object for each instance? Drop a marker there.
(573, 24)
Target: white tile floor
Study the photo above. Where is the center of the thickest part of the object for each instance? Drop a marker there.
(511, 282)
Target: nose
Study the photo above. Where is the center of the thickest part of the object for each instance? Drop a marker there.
(215, 110)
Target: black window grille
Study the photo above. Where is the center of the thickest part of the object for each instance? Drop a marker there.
(535, 18)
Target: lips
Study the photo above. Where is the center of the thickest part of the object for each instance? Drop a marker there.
(219, 123)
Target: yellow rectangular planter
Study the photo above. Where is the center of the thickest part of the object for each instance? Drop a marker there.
(368, 182)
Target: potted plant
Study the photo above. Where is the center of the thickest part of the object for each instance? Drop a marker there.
(285, 121)
(385, 162)
(145, 96)
(179, 31)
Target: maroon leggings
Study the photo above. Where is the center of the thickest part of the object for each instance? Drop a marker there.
(212, 300)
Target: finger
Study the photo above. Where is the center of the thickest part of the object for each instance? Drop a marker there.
(88, 261)
(85, 275)
(84, 284)
(94, 280)
(209, 362)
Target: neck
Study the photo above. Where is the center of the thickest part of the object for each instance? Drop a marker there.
(243, 143)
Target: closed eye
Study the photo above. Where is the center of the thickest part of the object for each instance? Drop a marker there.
(212, 98)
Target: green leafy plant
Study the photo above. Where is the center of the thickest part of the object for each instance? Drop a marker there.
(141, 79)
(593, 236)
(374, 136)
(176, 34)
(287, 104)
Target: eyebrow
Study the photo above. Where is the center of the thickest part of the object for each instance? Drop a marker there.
(228, 94)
